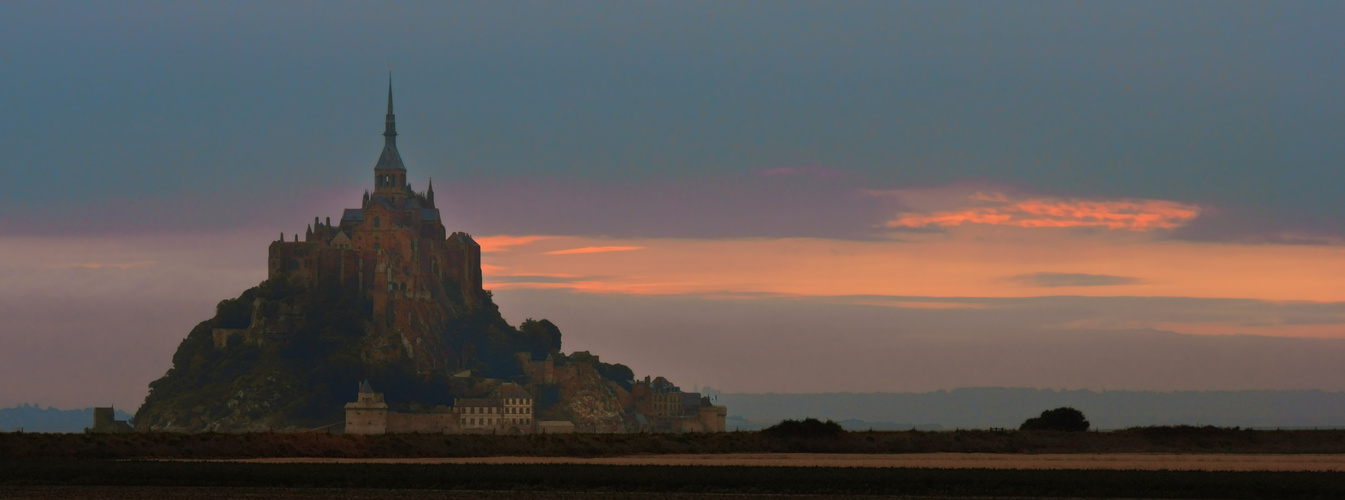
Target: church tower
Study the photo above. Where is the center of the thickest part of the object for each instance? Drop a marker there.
(389, 172)
(393, 252)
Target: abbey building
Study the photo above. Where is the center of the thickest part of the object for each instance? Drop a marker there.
(394, 250)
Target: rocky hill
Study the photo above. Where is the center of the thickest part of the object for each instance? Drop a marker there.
(303, 379)
(387, 295)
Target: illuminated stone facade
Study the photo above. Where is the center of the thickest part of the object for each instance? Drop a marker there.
(394, 251)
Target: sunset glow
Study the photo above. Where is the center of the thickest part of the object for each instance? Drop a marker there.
(1133, 215)
(890, 196)
(976, 264)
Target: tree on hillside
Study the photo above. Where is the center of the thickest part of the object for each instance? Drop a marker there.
(806, 428)
(1059, 419)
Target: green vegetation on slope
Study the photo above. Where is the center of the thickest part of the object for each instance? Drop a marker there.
(304, 378)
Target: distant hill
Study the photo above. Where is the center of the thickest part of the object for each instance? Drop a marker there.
(977, 408)
(32, 418)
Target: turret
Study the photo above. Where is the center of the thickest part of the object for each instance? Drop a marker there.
(429, 194)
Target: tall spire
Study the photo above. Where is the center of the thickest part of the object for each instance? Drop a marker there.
(390, 130)
(390, 159)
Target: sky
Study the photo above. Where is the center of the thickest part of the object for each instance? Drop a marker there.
(754, 196)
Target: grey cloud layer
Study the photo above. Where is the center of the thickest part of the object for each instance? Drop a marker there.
(770, 203)
(1061, 311)
(1070, 279)
(1215, 104)
(809, 345)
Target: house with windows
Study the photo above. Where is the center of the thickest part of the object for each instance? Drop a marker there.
(509, 410)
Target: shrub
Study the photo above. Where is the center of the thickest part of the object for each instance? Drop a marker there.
(1059, 419)
(809, 428)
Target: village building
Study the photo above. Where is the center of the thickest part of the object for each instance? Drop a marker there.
(368, 414)
(105, 422)
(662, 407)
(509, 410)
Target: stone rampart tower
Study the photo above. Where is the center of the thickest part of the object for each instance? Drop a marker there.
(394, 251)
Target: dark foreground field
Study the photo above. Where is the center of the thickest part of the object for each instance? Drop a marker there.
(288, 445)
(126, 479)
(169, 466)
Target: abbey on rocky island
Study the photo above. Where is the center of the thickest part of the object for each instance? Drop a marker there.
(395, 251)
(386, 294)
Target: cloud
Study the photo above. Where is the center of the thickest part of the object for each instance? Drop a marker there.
(593, 250)
(969, 262)
(999, 209)
(527, 278)
(770, 204)
(502, 243)
(1070, 279)
(784, 202)
(757, 345)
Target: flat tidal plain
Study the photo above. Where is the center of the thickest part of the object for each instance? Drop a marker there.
(128, 493)
(1009, 461)
(75, 478)
(1180, 462)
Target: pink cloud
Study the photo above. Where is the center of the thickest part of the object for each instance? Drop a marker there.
(998, 209)
(593, 250)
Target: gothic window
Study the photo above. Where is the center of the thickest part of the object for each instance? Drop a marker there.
(377, 221)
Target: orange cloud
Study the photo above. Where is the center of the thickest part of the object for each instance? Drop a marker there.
(904, 304)
(502, 243)
(592, 250)
(970, 262)
(997, 209)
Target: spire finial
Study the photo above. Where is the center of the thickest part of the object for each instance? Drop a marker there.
(390, 124)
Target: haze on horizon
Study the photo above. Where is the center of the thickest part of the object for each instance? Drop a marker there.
(760, 197)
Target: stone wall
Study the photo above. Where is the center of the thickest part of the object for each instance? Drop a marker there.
(440, 421)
